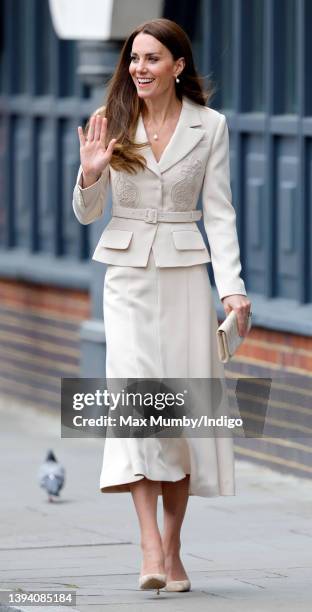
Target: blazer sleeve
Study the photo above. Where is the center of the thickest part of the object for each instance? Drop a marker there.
(89, 202)
(219, 216)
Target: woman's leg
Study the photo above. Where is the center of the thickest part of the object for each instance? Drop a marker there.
(145, 496)
(175, 498)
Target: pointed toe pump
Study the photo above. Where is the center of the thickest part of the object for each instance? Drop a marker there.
(152, 581)
(178, 586)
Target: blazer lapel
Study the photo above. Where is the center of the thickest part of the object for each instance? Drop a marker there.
(183, 140)
(185, 137)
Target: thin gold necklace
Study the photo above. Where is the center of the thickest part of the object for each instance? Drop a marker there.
(156, 134)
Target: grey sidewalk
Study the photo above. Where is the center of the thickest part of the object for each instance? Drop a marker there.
(251, 552)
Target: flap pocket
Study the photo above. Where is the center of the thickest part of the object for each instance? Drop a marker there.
(185, 240)
(116, 239)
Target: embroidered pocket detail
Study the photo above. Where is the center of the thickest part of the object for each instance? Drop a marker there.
(126, 191)
(184, 191)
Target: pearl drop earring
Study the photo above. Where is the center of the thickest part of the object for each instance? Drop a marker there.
(177, 80)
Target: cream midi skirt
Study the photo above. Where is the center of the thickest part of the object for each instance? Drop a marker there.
(161, 323)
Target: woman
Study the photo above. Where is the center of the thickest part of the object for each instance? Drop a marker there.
(158, 144)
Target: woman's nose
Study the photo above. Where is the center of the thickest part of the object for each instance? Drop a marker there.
(141, 66)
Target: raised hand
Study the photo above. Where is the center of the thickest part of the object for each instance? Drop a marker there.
(94, 155)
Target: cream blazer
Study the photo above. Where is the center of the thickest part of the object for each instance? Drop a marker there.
(195, 159)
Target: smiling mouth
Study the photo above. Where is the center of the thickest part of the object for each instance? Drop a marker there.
(145, 81)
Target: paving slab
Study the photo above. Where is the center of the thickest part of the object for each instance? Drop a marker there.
(245, 553)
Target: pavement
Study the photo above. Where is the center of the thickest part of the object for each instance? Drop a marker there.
(246, 553)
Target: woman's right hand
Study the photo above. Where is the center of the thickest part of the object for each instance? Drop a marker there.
(94, 155)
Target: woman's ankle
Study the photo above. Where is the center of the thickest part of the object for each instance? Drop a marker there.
(152, 547)
(171, 547)
(151, 542)
(174, 567)
(153, 559)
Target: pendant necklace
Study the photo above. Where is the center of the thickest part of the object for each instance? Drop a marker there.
(156, 134)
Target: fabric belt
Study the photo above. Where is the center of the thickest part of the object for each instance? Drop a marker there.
(152, 215)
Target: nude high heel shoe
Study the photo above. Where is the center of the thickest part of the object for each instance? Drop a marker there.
(152, 581)
(178, 586)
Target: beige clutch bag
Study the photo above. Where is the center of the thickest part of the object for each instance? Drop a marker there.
(228, 339)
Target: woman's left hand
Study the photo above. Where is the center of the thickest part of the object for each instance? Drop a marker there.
(242, 307)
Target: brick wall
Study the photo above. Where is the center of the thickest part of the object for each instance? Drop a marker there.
(287, 359)
(281, 350)
(39, 330)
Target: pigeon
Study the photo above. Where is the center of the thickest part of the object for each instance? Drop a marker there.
(51, 476)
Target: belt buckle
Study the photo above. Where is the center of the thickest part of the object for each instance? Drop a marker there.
(151, 215)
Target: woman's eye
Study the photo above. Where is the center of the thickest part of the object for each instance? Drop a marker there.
(151, 59)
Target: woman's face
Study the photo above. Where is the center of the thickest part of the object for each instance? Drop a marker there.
(151, 60)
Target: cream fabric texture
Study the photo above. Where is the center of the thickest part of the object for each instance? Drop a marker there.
(159, 315)
(195, 159)
(161, 323)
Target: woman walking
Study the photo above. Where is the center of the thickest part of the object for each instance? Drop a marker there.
(158, 145)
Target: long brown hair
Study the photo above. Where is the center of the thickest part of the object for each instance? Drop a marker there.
(123, 106)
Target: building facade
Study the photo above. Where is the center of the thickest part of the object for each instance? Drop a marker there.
(256, 53)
